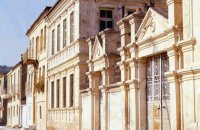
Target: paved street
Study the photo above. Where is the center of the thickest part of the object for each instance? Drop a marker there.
(7, 128)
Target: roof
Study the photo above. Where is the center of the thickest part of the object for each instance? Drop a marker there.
(54, 6)
(40, 17)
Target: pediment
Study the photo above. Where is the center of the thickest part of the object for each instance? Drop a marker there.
(154, 23)
(97, 49)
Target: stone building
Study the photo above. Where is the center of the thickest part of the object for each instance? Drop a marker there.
(109, 65)
(70, 23)
(159, 68)
(3, 101)
(36, 59)
(15, 94)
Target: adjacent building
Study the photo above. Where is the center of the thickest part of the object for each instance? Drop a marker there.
(70, 23)
(15, 94)
(36, 60)
(3, 101)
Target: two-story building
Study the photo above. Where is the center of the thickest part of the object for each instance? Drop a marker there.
(36, 59)
(15, 94)
(70, 23)
(3, 101)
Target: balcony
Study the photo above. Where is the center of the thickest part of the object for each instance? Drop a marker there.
(29, 59)
(78, 48)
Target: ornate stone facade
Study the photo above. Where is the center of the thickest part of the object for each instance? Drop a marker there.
(113, 65)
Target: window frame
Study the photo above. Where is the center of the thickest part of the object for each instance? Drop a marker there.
(106, 19)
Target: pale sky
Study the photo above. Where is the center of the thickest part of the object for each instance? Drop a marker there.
(16, 16)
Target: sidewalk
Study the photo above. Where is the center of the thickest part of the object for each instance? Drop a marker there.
(7, 128)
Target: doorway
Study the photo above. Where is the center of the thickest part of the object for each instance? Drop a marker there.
(158, 93)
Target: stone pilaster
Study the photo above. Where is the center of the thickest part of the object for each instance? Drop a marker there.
(135, 20)
(175, 12)
(187, 49)
(104, 117)
(125, 32)
(174, 86)
(141, 101)
(173, 55)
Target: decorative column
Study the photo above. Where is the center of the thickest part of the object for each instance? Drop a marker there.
(141, 98)
(187, 49)
(175, 12)
(174, 86)
(133, 95)
(104, 95)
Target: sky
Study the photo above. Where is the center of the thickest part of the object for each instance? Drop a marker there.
(16, 16)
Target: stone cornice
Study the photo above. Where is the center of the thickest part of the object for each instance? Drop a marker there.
(187, 44)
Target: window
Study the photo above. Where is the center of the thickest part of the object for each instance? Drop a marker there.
(32, 48)
(130, 11)
(39, 73)
(106, 19)
(71, 103)
(64, 33)
(40, 112)
(58, 93)
(64, 91)
(41, 40)
(52, 94)
(58, 37)
(43, 72)
(37, 46)
(72, 27)
(53, 42)
(17, 111)
(45, 29)
(14, 111)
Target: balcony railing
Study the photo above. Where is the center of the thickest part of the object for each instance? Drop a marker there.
(57, 115)
(78, 47)
(29, 59)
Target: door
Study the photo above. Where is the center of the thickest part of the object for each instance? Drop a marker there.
(157, 93)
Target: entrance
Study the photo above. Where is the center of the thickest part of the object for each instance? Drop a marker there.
(158, 93)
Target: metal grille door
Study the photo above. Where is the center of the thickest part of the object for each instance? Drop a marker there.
(157, 93)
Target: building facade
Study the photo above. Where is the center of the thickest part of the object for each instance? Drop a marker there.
(109, 65)
(15, 94)
(159, 63)
(36, 60)
(3, 101)
(68, 28)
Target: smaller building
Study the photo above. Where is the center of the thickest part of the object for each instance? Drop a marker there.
(3, 102)
(15, 94)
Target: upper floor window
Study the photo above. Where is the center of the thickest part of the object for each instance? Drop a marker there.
(64, 33)
(45, 29)
(41, 40)
(106, 19)
(58, 37)
(53, 42)
(37, 45)
(32, 48)
(72, 27)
